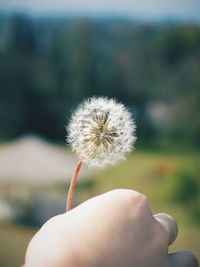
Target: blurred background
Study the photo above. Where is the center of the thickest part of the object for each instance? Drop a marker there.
(53, 54)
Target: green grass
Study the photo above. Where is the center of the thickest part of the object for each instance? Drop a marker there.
(13, 242)
(150, 173)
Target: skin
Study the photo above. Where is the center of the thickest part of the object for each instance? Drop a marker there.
(114, 229)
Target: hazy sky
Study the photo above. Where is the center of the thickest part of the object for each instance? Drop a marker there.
(188, 10)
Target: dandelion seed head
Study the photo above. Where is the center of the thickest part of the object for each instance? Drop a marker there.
(101, 131)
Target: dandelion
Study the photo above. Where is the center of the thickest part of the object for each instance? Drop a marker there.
(101, 132)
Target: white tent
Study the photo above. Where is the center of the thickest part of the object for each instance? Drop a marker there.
(33, 160)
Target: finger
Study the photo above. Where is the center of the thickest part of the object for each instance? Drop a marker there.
(183, 259)
(169, 225)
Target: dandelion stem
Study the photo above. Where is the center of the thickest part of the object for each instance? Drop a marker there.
(72, 186)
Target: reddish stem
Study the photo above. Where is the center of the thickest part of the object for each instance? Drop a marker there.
(72, 186)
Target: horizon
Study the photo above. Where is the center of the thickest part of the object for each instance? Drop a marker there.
(185, 11)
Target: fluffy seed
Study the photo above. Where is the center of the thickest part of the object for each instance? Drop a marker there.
(101, 131)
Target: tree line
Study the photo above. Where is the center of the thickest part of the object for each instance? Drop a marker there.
(47, 66)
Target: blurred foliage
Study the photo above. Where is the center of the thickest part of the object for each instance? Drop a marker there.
(186, 192)
(14, 241)
(26, 213)
(186, 188)
(49, 65)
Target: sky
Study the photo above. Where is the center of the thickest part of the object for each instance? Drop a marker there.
(184, 10)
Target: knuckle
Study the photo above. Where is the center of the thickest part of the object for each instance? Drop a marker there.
(129, 196)
(141, 198)
(122, 194)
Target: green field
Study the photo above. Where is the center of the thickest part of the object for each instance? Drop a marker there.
(157, 175)
(13, 242)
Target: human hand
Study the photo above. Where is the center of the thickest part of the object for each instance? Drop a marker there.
(116, 229)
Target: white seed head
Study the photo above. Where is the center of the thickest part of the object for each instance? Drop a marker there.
(101, 131)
